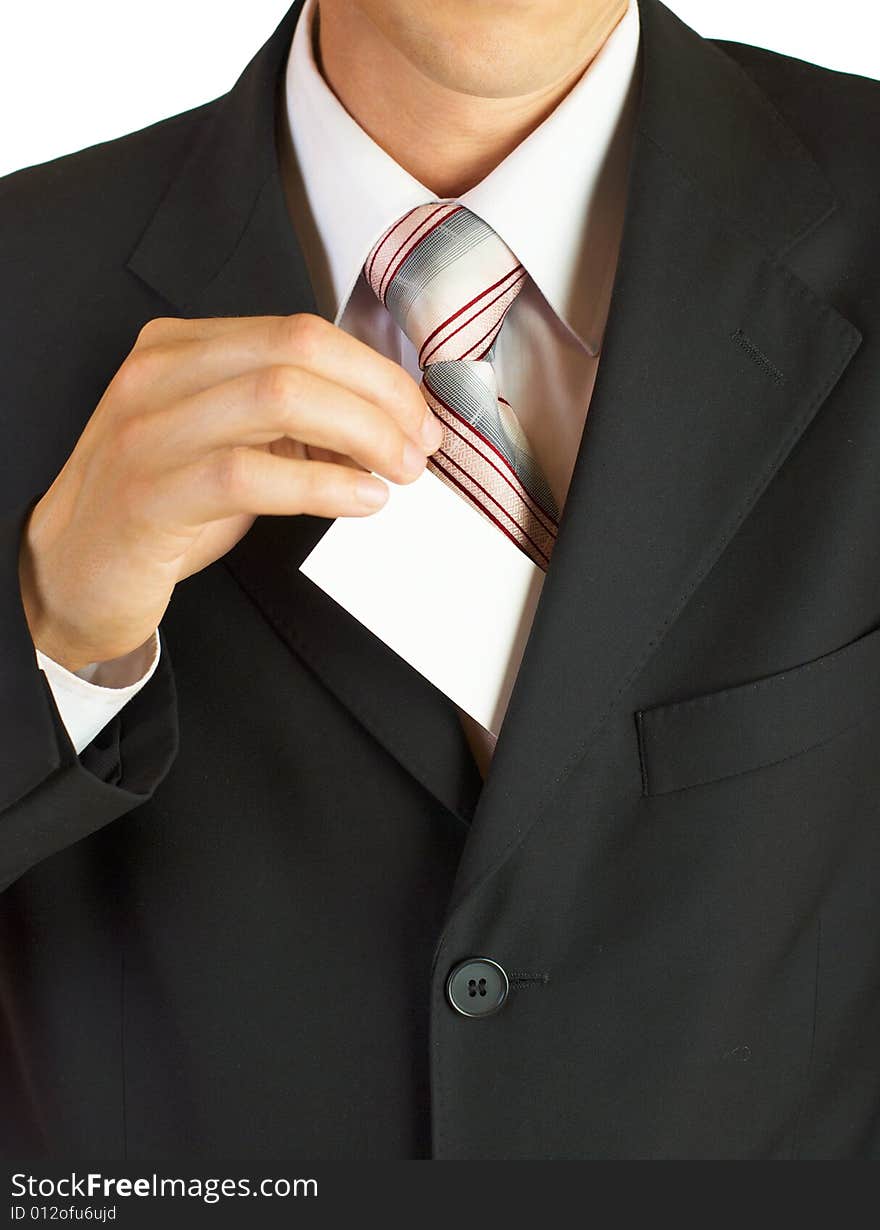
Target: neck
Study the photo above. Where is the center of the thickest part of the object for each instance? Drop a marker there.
(447, 139)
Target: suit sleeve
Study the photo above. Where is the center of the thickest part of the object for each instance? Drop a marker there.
(86, 704)
(51, 797)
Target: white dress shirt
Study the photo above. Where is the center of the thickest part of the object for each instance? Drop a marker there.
(557, 200)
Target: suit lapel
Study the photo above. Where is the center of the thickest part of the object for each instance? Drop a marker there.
(221, 243)
(714, 362)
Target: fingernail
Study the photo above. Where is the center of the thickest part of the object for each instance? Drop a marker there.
(431, 432)
(372, 492)
(413, 459)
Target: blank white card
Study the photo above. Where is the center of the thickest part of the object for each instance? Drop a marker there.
(441, 586)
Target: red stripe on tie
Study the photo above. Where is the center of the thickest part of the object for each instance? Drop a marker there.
(489, 496)
(495, 328)
(478, 314)
(414, 240)
(392, 231)
(492, 334)
(380, 243)
(455, 315)
(538, 511)
(505, 474)
(494, 520)
(536, 508)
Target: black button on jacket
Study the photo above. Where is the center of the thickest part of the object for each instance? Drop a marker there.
(226, 929)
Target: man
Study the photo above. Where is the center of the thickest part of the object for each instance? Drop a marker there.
(267, 891)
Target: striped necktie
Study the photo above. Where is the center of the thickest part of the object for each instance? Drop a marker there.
(448, 280)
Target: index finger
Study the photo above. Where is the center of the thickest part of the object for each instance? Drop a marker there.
(223, 347)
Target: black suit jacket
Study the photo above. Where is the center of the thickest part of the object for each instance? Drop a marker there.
(226, 927)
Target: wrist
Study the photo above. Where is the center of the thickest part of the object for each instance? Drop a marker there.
(44, 633)
(125, 670)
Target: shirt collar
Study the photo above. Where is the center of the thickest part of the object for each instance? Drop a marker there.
(554, 195)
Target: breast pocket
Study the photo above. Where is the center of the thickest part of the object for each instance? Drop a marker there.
(723, 734)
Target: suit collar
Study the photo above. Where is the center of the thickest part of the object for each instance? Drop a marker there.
(685, 429)
(724, 135)
(221, 209)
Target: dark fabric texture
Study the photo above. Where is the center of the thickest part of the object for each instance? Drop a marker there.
(226, 927)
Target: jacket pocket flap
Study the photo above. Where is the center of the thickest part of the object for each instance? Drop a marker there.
(721, 734)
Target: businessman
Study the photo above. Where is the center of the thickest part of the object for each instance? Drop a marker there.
(266, 892)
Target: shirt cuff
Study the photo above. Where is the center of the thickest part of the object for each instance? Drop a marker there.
(91, 697)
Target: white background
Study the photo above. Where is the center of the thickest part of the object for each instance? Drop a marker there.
(74, 72)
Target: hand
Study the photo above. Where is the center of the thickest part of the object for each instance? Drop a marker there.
(206, 425)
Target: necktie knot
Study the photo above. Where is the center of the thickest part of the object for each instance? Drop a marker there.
(447, 279)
